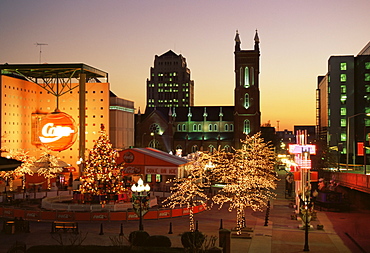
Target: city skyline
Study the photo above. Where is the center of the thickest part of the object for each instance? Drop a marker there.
(123, 37)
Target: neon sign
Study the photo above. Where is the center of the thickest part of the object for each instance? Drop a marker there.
(298, 149)
(57, 131)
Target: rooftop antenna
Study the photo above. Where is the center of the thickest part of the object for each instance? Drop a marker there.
(40, 45)
(278, 121)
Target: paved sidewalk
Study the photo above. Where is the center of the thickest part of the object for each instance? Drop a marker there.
(281, 235)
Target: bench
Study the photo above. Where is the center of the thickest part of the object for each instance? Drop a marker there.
(65, 226)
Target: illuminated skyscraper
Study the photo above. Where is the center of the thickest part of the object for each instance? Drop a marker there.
(169, 84)
(343, 100)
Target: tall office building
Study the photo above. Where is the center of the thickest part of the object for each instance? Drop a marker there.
(343, 100)
(170, 84)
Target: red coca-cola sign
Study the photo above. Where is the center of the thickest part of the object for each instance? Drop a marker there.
(57, 131)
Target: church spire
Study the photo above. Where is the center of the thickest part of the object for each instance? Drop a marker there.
(237, 41)
(256, 42)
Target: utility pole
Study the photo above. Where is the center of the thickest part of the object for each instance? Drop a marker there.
(40, 45)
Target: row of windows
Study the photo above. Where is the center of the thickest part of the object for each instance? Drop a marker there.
(168, 63)
(25, 90)
(168, 105)
(48, 108)
(211, 127)
(343, 65)
(171, 90)
(21, 89)
(210, 148)
(47, 100)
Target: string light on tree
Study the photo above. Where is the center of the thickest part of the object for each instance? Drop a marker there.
(248, 175)
(101, 175)
(189, 190)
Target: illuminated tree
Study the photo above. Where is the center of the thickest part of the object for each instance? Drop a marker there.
(25, 168)
(48, 166)
(101, 174)
(189, 190)
(248, 175)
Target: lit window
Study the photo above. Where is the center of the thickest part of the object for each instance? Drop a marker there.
(252, 75)
(367, 77)
(246, 101)
(246, 77)
(343, 111)
(367, 122)
(211, 148)
(343, 98)
(367, 65)
(343, 137)
(343, 77)
(343, 89)
(343, 122)
(343, 66)
(158, 178)
(367, 88)
(247, 127)
(241, 76)
(149, 178)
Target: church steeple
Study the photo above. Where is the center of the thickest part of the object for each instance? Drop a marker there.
(237, 42)
(256, 42)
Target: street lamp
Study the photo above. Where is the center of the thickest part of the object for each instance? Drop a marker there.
(140, 200)
(306, 210)
(348, 132)
(153, 135)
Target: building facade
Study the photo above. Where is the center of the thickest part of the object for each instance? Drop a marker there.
(343, 100)
(31, 91)
(170, 84)
(121, 122)
(193, 128)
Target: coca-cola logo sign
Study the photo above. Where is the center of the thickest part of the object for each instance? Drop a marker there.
(131, 170)
(57, 131)
(128, 157)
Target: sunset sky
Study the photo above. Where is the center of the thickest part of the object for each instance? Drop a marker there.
(122, 37)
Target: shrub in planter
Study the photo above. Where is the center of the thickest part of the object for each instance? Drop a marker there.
(157, 241)
(192, 239)
(138, 237)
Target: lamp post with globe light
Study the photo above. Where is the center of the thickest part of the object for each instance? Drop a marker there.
(140, 200)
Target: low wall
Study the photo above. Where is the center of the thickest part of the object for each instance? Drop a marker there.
(128, 215)
(54, 203)
(359, 182)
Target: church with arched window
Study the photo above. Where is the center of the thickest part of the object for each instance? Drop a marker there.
(191, 128)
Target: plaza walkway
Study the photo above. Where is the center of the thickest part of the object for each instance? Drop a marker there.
(343, 232)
